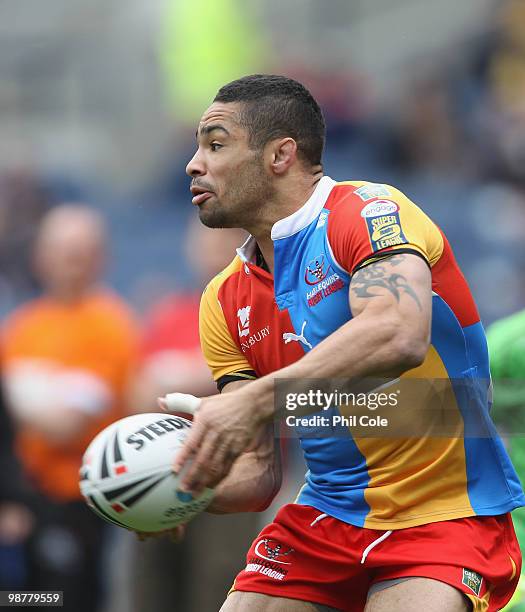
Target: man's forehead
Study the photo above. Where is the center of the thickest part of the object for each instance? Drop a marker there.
(223, 113)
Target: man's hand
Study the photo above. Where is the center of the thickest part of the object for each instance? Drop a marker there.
(224, 427)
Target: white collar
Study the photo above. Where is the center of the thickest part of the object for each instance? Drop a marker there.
(247, 251)
(306, 214)
(295, 222)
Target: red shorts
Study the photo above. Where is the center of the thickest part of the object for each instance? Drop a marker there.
(309, 556)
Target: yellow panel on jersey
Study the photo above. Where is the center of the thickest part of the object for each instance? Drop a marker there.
(220, 351)
(418, 480)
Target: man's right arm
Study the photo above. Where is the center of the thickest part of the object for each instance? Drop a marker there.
(255, 477)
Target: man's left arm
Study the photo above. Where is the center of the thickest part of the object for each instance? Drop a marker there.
(389, 334)
(391, 302)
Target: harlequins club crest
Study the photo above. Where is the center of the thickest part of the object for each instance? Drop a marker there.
(272, 550)
(316, 270)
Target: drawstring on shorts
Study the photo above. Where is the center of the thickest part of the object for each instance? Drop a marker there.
(373, 545)
(319, 518)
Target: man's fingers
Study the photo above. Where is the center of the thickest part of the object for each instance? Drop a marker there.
(216, 467)
(189, 448)
(204, 458)
(223, 469)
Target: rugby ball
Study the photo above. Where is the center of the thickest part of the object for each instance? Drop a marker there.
(126, 475)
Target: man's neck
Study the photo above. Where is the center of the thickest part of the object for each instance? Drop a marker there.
(286, 202)
(68, 296)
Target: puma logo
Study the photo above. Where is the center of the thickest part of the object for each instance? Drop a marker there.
(291, 337)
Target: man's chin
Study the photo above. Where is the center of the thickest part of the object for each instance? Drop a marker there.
(212, 218)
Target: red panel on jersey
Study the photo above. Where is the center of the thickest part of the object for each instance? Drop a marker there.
(258, 334)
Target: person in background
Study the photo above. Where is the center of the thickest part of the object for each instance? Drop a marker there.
(67, 358)
(24, 200)
(172, 574)
(171, 355)
(16, 517)
(506, 339)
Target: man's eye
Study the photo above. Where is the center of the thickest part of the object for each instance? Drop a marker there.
(215, 146)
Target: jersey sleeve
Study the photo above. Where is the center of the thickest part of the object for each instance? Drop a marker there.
(361, 231)
(225, 360)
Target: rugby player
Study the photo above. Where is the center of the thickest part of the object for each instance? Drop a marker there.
(349, 280)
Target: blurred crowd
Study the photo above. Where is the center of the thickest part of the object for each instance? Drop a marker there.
(74, 359)
(452, 136)
(454, 140)
(99, 297)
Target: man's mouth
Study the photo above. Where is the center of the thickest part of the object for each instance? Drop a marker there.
(200, 194)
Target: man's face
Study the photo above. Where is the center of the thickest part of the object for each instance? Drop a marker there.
(229, 180)
(69, 255)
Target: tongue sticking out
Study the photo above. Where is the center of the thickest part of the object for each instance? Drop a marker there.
(201, 197)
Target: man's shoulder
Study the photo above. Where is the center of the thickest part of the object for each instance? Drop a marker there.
(367, 190)
(234, 267)
(358, 202)
(28, 310)
(27, 321)
(349, 200)
(361, 192)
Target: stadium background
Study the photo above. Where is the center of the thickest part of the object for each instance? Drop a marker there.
(99, 102)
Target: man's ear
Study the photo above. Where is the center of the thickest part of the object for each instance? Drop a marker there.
(282, 154)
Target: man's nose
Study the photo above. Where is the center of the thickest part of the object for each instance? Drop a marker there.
(195, 166)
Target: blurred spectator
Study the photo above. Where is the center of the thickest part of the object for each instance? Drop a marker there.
(506, 88)
(172, 361)
(171, 352)
(23, 202)
(187, 42)
(344, 94)
(68, 356)
(16, 519)
(429, 136)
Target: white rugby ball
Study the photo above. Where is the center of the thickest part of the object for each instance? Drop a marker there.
(126, 475)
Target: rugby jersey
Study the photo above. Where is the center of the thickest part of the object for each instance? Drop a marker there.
(252, 324)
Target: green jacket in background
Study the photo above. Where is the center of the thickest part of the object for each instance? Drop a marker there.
(506, 339)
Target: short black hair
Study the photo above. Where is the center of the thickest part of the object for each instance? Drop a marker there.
(275, 107)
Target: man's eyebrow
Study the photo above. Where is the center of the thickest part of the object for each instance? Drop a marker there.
(207, 129)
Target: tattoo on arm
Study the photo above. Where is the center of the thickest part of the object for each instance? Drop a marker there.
(378, 275)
